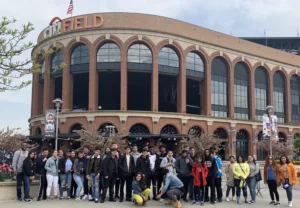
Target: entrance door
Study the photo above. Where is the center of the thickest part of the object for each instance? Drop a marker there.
(242, 144)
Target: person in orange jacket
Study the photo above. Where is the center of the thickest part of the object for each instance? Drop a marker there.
(199, 172)
(288, 177)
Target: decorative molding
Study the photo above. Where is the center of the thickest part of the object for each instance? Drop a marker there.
(184, 121)
(77, 38)
(90, 118)
(221, 53)
(254, 127)
(290, 129)
(107, 36)
(123, 119)
(232, 124)
(170, 41)
(243, 58)
(140, 37)
(209, 123)
(155, 120)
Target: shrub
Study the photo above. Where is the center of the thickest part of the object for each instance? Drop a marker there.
(6, 173)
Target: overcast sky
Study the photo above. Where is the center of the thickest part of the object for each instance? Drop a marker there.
(244, 18)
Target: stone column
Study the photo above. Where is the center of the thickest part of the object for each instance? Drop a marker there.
(181, 87)
(251, 96)
(35, 95)
(231, 93)
(154, 87)
(123, 81)
(67, 93)
(288, 106)
(47, 85)
(93, 83)
(207, 90)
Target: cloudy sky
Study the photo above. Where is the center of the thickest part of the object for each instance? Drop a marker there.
(243, 18)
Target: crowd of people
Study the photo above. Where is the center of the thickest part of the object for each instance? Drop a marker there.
(188, 176)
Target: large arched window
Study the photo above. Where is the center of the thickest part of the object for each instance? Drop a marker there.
(241, 91)
(221, 133)
(76, 127)
(168, 61)
(57, 60)
(194, 66)
(139, 129)
(261, 92)
(43, 67)
(279, 97)
(169, 129)
(219, 87)
(107, 127)
(139, 53)
(109, 52)
(195, 131)
(80, 55)
(295, 99)
(242, 138)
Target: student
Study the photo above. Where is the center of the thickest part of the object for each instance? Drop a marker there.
(199, 173)
(28, 171)
(40, 169)
(159, 171)
(251, 180)
(135, 154)
(173, 188)
(230, 179)
(86, 189)
(194, 157)
(241, 172)
(154, 165)
(93, 173)
(143, 165)
(169, 162)
(141, 192)
(52, 174)
(212, 171)
(65, 169)
(183, 167)
(126, 167)
(117, 183)
(219, 174)
(110, 173)
(288, 176)
(78, 174)
(73, 183)
(272, 178)
(17, 165)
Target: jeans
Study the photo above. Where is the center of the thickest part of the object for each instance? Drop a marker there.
(20, 179)
(210, 184)
(78, 178)
(228, 191)
(95, 185)
(27, 183)
(218, 184)
(128, 179)
(174, 194)
(186, 181)
(73, 187)
(273, 189)
(238, 189)
(52, 180)
(198, 193)
(65, 182)
(251, 182)
(289, 193)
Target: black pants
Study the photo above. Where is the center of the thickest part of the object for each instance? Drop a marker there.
(128, 180)
(86, 189)
(43, 186)
(152, 178)
(117, 187)
(20, 181)
(210, 185)
(73, 187)
(160, 179)
(218, 184)
(237, 183)
(228, 191)
(186, 181)
(109, 183)
(273, 189)
(191, 188)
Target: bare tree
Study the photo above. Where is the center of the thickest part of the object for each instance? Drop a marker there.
(278, 147)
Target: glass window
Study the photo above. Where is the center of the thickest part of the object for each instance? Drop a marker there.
(43, 67)
(194, 62)
(168, 57)
(80, 55)
(261, 89)
(139, 53)
(109, 52)
(279, 90)
(57, 60)
(219, 88)
(295, 99)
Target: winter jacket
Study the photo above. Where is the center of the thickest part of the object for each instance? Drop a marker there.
(135, 156)
(40, 165)
(172, 182)
(254, 169)
(229, 175)
(78, 166)
(124, 171)
(18, 159)
(95, 162)
(28, 167)
(86, 157)
(196, 174)
(182, 167)
(143, 165)
(110, 167)
(292, 174)
(219, 166)
(275, 173)
(241, 169)
(164, 164)
(211, 165)
(52, 166)
(137, 189)
(159, 159)
(62, 164)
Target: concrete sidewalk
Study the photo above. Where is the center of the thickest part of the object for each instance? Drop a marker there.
(261, 202)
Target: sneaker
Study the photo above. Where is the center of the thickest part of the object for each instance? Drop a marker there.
(277, 204)
(77, 199)
(194, 203)
(19, 200)
(55, 197)
(112, 200)
(238, 202)
(85, 197)
(69, 198)
(272, 202)
(227, 199)
(145, 204)
(220, 200)
(90, 198)
(38, 199)
(61, 198)
(96, 201)
(233, 198)
(102, 201)
(252, 202)
(28, 200)
(202, 203)
(129, 200)
(290, 204)
(161, 200)
(247, 202)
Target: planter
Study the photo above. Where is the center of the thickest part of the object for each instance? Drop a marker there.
(8, 190)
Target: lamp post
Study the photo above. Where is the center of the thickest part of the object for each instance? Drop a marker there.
(233, 133)
(269, 110)
(57, 103)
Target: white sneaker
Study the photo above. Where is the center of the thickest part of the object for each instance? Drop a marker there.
(290, 204)
(161, 200)
(233, 199)
(227, 199)
(90, 197)
(85, 197)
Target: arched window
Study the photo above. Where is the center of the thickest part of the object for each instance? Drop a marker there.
(261, 153)
(281, 137)
(107, 127)
(279, 96)
(261, 92)
(76, 127)
(169, 129)
(80, 55)
(219, 87)
(139, 53)
(221, 133)
(139, 129)
(241, 91)
(168, 61)
(195, 131)
(43, 67)
(242, 138)
(57, 60)
(38, 131)
(109, 52)
(295, 99)
(194, 65)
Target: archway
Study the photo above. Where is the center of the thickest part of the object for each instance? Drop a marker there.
(137, 131)
(107, 129)
(221, 133)
(171, 142)
(242, 139)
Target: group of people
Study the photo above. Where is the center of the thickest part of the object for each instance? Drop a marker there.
(199, 175)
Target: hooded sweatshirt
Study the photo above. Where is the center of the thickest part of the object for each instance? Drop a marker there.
(211, 165)
(164, 164)
(182, 167)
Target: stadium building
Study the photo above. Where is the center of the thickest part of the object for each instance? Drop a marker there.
(161, 79)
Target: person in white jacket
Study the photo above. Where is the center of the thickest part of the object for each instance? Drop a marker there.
(169, 162)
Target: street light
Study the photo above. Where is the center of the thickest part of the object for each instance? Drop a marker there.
(269, 110)
(233, 133)
(57, 103)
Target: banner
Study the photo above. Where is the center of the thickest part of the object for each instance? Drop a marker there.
(50, 123)
(267, 127)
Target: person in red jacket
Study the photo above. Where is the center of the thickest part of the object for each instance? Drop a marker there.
(199, 172)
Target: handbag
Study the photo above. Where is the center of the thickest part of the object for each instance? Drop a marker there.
(258, 176)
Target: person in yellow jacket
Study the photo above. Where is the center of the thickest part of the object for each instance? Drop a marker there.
(241, 171)
(288, 177)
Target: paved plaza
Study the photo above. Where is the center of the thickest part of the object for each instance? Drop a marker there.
(261, 202)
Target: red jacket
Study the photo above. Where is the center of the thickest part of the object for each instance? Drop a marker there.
(195, 174)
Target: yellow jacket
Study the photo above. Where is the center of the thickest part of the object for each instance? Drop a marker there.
(241, 169)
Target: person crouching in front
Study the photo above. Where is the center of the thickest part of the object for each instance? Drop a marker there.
(140, 191)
